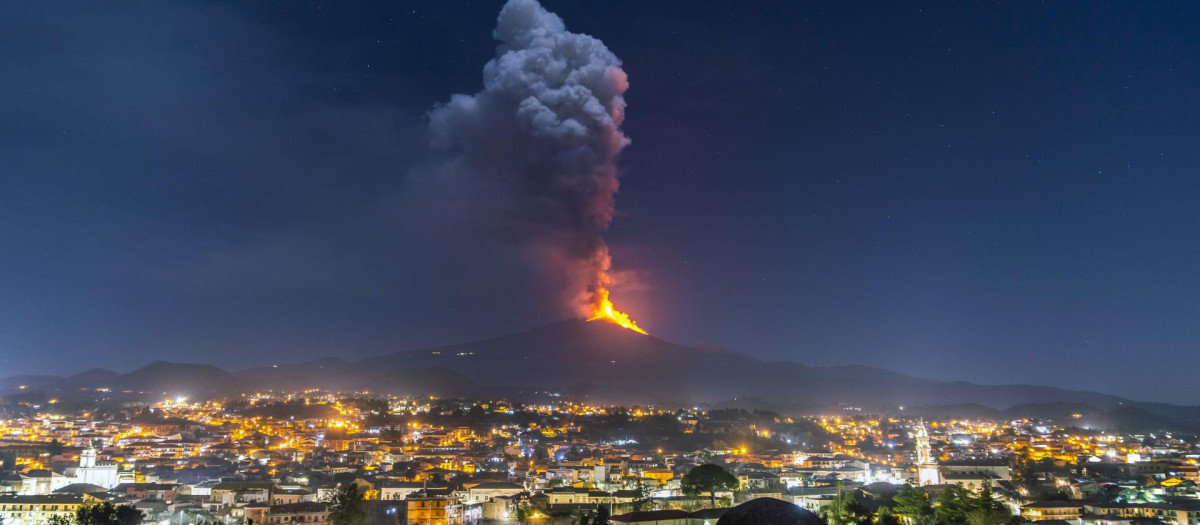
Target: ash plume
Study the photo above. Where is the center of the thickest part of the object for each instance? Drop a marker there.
(530, 160)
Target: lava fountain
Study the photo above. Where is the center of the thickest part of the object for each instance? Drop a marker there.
(603, 310)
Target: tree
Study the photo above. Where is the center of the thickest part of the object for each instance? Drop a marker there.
(988, 511)
(846, 509)
(642, 498)
(1024, 475)
(127, 515)
(804, 479)
(912, 504)
(835, 511)
(987, 501)
(108, 514)
(708, 478)
(989, 517)
(601, 517)
(953, 505)
(347, 506)
(884, 516)
(524, 512)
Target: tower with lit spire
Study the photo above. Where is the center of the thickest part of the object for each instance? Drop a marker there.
(927, 468)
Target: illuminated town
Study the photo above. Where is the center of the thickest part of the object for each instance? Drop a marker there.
(282, 457)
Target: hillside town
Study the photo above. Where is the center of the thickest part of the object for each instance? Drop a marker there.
(284, 458)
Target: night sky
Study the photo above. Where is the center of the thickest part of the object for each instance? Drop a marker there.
(996, 193)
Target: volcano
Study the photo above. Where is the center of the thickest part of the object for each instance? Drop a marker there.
(609, 363)
(599, 361)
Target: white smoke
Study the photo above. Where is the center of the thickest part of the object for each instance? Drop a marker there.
(534, 152)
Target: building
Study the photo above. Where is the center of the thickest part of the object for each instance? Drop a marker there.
(973, 481)
(1181, 513)
(38, 510)
(1118, 511)
(304, 513)
(37, 482)
(95, 472)
(486, 491)
(440, 507)
(164, 492)
(1052, 510)
(398, 490)
(974, 474)
(286, 495)
(927, 468)
(501, 507)
(231, 492)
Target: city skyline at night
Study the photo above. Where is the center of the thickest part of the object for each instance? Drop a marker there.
(999, 194)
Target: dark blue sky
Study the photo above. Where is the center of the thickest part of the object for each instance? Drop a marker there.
(989, 192)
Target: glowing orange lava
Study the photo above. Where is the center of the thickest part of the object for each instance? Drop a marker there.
(603, 310)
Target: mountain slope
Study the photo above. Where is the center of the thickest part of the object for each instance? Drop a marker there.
(600, 360)
(575, 353)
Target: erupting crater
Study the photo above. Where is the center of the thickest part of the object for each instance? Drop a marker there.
(603, 310)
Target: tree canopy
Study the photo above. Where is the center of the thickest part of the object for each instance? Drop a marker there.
(708, 478)
(108, 514)
(347, 506)
(101, 514)
(955, 505)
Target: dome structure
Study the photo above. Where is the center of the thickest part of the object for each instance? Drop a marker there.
(769, 511)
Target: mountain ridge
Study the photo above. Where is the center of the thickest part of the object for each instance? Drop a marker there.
(598, 361)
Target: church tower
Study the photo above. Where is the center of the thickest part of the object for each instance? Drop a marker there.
(87, 458)
(927, 468)
(92, 471)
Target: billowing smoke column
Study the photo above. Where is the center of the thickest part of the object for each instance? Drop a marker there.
(542, 137)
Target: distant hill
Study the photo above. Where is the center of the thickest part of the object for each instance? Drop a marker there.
(160, 378)
(604, 362)
(95, 375)
(179, 379)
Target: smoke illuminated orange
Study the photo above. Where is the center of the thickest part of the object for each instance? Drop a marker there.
(603, 310)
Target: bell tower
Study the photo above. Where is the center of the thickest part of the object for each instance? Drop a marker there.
(87, 458)
(927, 468)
